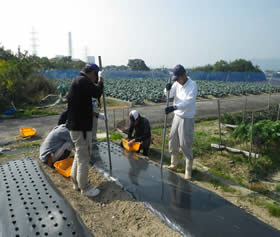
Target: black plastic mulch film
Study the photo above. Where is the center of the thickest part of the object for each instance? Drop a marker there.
(31, 206)
(185, 207)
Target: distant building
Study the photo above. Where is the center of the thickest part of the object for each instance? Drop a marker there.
(59, 56)
(90, 59)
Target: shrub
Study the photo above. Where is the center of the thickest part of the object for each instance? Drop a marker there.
(37, 87)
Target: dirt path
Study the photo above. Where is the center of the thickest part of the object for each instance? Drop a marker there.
(9, 128)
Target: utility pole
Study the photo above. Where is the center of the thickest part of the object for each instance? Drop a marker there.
(86, 54)
(34, 40)
(70, 44)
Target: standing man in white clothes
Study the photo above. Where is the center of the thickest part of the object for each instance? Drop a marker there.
(184, 92)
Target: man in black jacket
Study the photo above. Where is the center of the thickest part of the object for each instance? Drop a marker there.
(142, 132)
(79, 122)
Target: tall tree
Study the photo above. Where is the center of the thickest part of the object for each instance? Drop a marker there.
(137, 65)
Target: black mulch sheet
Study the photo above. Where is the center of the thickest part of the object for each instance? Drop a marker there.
(30, 205)
(185, 207)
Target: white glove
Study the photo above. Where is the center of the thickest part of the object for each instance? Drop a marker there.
(101, 74)
(102, 116)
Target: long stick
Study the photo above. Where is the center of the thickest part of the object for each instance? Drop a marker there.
(164, 129)
(251, 138)
(278, 113)
(245, 108)
(106, 121)
(219, 116)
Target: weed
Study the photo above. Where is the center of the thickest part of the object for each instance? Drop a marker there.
(216, 183)
(224, 187)
(259, 187)
(273, 209)
(219, 173)
(116, 136)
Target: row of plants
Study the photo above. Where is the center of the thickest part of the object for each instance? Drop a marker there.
(139, 90)
(270, 113)
(265, 134)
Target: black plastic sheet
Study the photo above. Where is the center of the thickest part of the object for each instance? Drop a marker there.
(31, 206)
(185, 207)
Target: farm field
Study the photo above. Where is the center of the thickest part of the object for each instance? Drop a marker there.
(139, 90)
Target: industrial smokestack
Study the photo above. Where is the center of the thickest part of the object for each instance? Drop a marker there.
(70, 44)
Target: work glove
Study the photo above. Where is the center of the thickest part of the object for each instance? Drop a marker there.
(168, 86)
(170, 109)
(101, 74)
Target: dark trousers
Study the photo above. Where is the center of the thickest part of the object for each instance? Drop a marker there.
(145, 146)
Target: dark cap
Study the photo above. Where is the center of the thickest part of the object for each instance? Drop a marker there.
(92, 67)
(178, 71)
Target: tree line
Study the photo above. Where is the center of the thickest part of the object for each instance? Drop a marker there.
(238, 65)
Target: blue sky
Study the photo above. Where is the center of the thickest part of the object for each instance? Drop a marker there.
(162, 32)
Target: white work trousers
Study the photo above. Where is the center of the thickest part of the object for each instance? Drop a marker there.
(181, 136)
(79, 173)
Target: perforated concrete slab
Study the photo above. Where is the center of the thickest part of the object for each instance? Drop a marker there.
(185, 207)
(31, 206)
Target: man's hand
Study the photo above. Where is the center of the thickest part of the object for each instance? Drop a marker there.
(130, 143)
(170, 109)
(100, 74)
(100, 80)
(49, 160)
(168, 86)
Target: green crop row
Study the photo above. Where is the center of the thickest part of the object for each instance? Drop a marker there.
(138, 90)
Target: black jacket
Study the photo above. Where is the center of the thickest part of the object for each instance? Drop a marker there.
(63, 118)
(142, 130)
(80, 103)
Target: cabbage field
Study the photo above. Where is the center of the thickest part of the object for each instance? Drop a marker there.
(138, 90)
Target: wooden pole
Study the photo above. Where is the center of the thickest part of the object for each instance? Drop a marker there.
(114, 115)
(219, 116)
(245, 108)
(106, 118)
(251, 138)
(278, 113)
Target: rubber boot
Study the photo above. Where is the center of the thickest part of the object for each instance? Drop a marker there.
(174, 163)
(188, 170)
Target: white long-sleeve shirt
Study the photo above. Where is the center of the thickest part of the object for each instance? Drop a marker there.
(184, 98)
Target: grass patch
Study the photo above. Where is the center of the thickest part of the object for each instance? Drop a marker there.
(156, 131)
(116, 136)
(277, 188)
(224, 187)
(273, 209)
(27, 145)
(29, 111)
(202, 143)
(260, 188)
(219, 173)
(113, 103)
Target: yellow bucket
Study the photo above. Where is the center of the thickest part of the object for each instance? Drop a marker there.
(27, 132)
(134, 147)
(64, 167)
